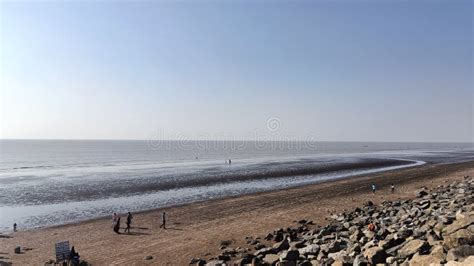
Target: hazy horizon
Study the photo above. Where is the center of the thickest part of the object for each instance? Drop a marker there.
(323, 71)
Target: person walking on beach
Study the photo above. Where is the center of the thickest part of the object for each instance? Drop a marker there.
(74, 257)
(114, 219)
(392, 188)
(163, 220)
(117, 226)
(14, 227)
(129, 222)
(373, 188)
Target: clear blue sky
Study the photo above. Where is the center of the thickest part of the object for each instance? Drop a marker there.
(340, 70)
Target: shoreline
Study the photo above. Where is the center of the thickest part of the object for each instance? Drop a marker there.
(367, 172)
(196, 228)
(407, 164)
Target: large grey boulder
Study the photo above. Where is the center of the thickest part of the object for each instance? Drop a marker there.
(271, 258)
(375, 255)
(436, 257)
(311, 249)
(460, 253)
(412, 247)
(289, 255)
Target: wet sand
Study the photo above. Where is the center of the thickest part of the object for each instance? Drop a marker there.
(197, 229)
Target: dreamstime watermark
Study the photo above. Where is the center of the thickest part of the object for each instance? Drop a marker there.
(272, 138)
(273, 124)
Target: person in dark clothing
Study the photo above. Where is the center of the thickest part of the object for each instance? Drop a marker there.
(74, 257)
(373, 188)
(392, 188)
(163, 221)
(129, 222)
(117, 226)
(14, 227)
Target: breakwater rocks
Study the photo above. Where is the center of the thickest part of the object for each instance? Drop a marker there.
(437, 227)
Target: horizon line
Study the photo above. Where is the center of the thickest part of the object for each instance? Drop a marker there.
(240, 140)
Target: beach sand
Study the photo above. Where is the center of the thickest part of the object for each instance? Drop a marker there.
(197, 229)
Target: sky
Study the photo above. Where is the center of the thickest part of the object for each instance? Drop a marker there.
(319, 70)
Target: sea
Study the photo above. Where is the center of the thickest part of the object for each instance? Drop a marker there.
(52, 182)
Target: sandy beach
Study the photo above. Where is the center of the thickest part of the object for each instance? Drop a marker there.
(195, 230)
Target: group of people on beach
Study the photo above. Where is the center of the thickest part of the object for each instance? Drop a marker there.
(374, 188)
(116, 222)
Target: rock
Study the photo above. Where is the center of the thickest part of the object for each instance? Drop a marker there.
(413, 247)
(404, 232)
(305, 263)
(435, 257)
(467, 262)
(271, 258)
(421, 193)
(356, 236)
(359, 260)
(312, 249)
(268, 237)
(286, 263)
(340, 257)
(242, 261)
(460, 237)
(459, 224)
(226, 242)
(256, 261)
(375, 255)
(298, 244)
(281, 245)
(390, 260)
(265, 251)
(254, 242)
(390, 242)
(289, 255)
(149, 257)
(223, 257)
(216, 263)
(460, 253)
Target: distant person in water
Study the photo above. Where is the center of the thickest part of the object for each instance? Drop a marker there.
(392, 188)
(117, 226)
(163, 220)
(373, 188)
(230, 161)
(14, 227)
(129, 222)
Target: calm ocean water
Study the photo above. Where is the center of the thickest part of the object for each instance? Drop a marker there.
(49, 182)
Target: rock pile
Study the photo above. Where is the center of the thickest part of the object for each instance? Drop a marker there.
(436, 227)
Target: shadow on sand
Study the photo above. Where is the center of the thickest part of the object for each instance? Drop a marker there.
(135, 234)
(174, 228)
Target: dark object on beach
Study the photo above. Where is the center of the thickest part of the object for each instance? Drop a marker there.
(373, 188)
(421, 192)
(392, 188)
(117, 226)
(129, 222)
(163, 220)
(14, 227)
(18, 250)
(74, 257)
